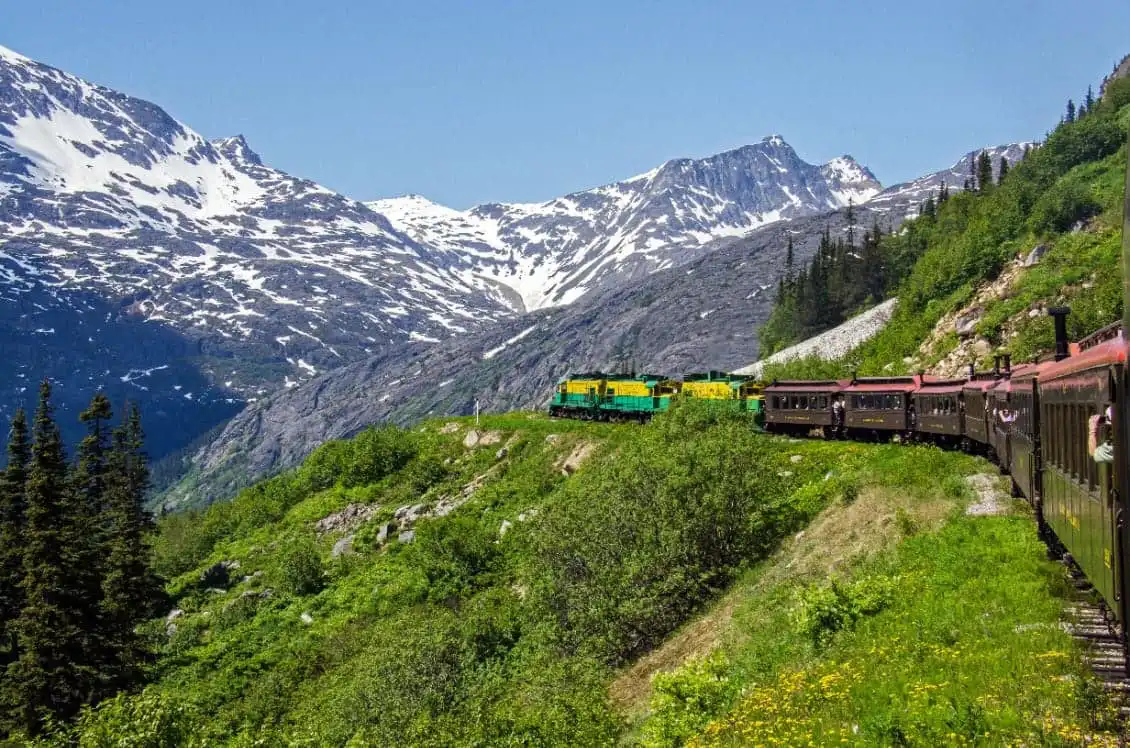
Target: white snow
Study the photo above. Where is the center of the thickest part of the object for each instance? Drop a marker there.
(835, 342)
(499, 349)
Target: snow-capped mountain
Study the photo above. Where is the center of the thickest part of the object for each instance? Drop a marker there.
(108, 203)
(909, 195)
(553, 253)
(103, 191)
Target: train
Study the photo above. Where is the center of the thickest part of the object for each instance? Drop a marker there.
(1058, 426)
(596, 396)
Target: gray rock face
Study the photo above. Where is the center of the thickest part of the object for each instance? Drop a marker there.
(1034, 256)
(966, 324)
(700, 316)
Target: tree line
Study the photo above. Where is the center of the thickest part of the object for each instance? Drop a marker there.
(75, 579)
(844, 278)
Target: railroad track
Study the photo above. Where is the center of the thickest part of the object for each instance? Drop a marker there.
(1091, 624)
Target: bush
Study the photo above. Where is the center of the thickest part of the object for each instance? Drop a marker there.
(148, 720)
(457, 556)
(633, 544)
(300, 567)
(685, 701)
(1061, 207)
(825, 610)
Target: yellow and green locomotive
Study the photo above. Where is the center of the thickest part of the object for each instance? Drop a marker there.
(596, 396)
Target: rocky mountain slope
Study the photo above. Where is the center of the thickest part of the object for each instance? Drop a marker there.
(235, 279)
(702, 315)
(553, 253)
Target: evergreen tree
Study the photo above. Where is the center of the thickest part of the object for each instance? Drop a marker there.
(1002, 170)
(86, 525)
(131, 592)
(1070, 111)
(12, 509)
(971, 183)
(943, 193)
(789, 258)
(51, 677)
(984, 171)
(851, 222)
(1089, 100)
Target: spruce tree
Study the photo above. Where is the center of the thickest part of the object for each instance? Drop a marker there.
(51, 678)
(984, 171)
(131, 591)
(12, 509)
(1002, 170)
(971, 183)
(88, 532)
(1070, 111)
(789, 259)
(1089, 100)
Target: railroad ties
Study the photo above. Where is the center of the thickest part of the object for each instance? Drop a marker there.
(1089, 623)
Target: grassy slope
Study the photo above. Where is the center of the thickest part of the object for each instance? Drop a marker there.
(553, 633)
(940, 629)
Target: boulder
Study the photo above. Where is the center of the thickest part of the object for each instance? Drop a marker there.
(471, 440)
(409, 512)
(576, 458)
(348, 519)
(449, 428)
(506, 525)
(795, 459)
(1035, 255)
(173, 615)
(966, 323)
(490, 437)
(407, 536)
(527, 515)
(500, 454)
(382, 534)
(552, 438)
(306, 618)
(342, 547)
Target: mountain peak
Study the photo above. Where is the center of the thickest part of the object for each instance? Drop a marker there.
(237, 149)
(12, 56)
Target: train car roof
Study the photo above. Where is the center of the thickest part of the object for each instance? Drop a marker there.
(884, 384)
(980, 384)
(802, 385)
(1107, 353)
(940, 386)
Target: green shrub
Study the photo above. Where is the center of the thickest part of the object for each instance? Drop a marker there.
(685, 700)
(824, 610)
(1061, 207)
(457, 556)
(300, 567)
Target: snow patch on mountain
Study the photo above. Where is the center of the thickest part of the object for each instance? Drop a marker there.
(552, 253)
(833, 343)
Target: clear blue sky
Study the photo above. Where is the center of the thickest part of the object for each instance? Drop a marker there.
(520, 100)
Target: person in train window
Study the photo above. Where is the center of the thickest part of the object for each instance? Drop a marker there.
(838, 410)
(1007, 416)
(1098, 437)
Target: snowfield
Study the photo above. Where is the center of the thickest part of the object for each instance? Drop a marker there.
(835, 342)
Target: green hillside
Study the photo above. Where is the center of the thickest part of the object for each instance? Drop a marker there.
(573, 561)
(1066, 195)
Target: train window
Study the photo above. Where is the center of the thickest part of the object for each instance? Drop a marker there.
(823, 402)
(1090, 471)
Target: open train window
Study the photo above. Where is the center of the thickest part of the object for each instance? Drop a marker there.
(823, 402)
